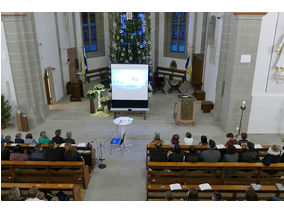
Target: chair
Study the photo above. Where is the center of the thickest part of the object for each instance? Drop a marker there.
(118, 141)
(174, 85)
(158, 83)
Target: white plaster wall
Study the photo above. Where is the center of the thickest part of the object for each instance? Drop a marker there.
(267, 109)
(48, 49)
(211, 70)
(7, 89)
(165, 61)
(198, 36)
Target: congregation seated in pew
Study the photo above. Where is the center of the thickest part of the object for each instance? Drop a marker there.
(57, 138)
(18, 154)
(38, 154)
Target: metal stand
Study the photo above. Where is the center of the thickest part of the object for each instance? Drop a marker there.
(124, 145)
(243, 108)
(101, 159)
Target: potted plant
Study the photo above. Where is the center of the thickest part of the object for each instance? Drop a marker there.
(106, 101)
(5, 112)
(91, 94)
(99, 88)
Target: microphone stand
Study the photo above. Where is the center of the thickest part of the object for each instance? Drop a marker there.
(101, 159)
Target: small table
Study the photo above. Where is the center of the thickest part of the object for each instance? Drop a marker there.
(175, 85)
(123, 122)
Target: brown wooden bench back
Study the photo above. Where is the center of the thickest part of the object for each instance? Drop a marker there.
(229, 192)
(73, 188)
(213, 173)
(44, 172)
(101, 72)
(171, 72)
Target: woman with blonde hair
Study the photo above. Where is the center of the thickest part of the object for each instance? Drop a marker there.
(71, 153)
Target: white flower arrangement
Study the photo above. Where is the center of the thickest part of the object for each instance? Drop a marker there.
(99, 87)
(105, 100)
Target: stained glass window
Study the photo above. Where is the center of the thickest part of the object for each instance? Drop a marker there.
(178, 35)
(89, 32)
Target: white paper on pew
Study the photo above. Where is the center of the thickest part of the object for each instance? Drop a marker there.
(238, 146)
(205, 186)
(74, 144)
(255, 186)
(258, 146)
(279, 186)
(13, 144)
(82, 144)
(32, 144)
(220, 146)
(175, 186)
(62, 145)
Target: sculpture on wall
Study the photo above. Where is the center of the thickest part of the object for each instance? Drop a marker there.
(280, 62)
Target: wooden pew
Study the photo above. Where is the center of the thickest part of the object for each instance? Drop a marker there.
(88, 150)
(171, 72)
(100, 72)
(199, 148)
(45, 172)
(156, 192)
(221, 173)
(72, 189)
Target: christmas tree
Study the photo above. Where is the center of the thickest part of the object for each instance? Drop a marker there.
(130, 39)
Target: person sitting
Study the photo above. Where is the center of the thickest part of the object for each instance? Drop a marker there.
(69, 139)
(231, 155)
(41, 196)
(282, 156)
(71, 153)
(43, 139)
(158, 155)
(29, 139)
(203, 140)
(273, 156)
(243, 141)
(53, 153)
(5, 153)
(192, 156)
(175, 139)
(3, 139)
(18, 138)
(14, 194)
(55, 199)
(157, 139)
(176, 156)
(210, 155)
(250, 195)
(192, 195)
(38, 154)
(231, 140)
(188, 140)
(32, 194)
(216, 196)
(8, 139)
(57, 139)
(18, 154)
(250, 155)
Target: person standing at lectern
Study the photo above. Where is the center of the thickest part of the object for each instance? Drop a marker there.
(57, 139)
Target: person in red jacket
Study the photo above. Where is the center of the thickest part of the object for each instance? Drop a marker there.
(231, 140)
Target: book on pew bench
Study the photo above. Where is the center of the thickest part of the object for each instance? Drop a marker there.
(175, 186)
(237, 146)
(62, 145)
(279, 186)
(82, 145)
(205, 186)
(255, 186)
(13, 144)
(258, 146)
(220, 146)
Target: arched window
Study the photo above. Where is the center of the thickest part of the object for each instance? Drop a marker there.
(93, 34)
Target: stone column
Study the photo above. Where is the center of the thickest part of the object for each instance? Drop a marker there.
(25, 65)
(240, 36)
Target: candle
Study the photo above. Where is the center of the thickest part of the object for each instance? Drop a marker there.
(244, 104)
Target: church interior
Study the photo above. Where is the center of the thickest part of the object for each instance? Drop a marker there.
(227, 66)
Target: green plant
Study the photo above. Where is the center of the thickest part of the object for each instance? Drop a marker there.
(5, 110)
(91, 94)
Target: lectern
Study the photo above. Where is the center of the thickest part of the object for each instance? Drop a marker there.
(185, 109)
